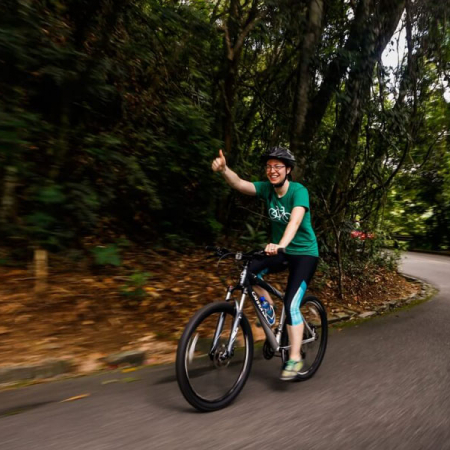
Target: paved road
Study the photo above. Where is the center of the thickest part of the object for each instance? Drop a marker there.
(383, 385)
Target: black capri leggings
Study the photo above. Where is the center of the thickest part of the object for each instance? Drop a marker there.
(301, 270)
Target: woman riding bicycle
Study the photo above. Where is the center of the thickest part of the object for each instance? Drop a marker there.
(288, 206)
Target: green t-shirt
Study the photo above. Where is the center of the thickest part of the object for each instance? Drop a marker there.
(304, 242)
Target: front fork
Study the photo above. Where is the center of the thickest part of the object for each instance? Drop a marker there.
(234, 328)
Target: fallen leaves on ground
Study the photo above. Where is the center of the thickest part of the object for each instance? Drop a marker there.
(83, 314)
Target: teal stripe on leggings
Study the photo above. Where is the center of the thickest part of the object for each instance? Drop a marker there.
(296, 315)
(263, 272)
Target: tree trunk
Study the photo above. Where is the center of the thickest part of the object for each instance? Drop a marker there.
(311, 39)
(341, 152)
(229, 93)
(8, 203)
(236, 29)
(333, 76)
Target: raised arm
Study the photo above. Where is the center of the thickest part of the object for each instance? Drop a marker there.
(220, 165)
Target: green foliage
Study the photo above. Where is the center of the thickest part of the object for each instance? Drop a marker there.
(254, 238)
(107, 119)
(111, 114)
(134, 286)
(176, 242)
(326, 270)
(387, 259)
(419, 203)
(107, 255)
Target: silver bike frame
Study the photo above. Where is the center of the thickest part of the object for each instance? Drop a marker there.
(274, 338)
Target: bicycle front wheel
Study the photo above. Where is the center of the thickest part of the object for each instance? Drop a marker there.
(209, 376)
(315, 337)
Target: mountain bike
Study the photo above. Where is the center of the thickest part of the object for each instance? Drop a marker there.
(215, 351)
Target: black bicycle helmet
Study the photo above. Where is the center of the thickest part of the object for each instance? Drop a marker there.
(281, 153)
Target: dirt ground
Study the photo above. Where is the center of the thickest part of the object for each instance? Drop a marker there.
(83, 314)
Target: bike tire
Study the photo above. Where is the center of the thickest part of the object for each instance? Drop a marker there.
(196, 340)
(314, 312)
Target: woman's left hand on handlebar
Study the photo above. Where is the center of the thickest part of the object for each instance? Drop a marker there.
(272, 249)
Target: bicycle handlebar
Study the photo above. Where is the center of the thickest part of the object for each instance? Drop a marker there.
(240, 256)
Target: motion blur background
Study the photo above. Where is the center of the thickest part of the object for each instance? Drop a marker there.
(111, 112)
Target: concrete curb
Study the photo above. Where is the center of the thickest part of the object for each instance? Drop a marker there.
(59, 367)
(46, 369)
(132, 358)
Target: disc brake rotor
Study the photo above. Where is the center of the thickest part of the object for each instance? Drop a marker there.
(220, 360)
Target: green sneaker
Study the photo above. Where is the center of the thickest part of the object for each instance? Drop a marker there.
(291, 369)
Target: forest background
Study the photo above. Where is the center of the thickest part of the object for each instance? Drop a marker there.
(112, 111)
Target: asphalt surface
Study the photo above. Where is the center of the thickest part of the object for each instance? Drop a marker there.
(384, 384)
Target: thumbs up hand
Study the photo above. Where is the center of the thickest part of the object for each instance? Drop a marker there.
(220, 163)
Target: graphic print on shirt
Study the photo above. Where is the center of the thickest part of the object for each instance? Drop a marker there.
(279, 214)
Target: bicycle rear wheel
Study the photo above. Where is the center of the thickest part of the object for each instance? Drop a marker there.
(315, 337)
(208, 377)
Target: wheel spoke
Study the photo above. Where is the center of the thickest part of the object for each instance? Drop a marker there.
(191, 348)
